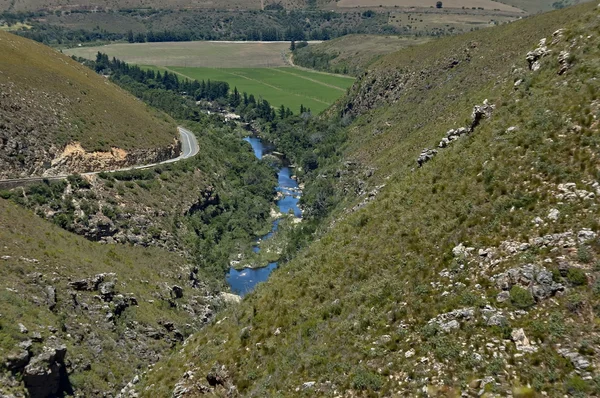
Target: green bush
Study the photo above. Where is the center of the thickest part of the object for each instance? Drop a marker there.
(521, 298)
(576, 277)
(584, 255)
(576, 386)
(366, 380)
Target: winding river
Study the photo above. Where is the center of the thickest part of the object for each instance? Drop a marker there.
(244, 281)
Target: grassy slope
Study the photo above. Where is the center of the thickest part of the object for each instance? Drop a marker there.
(91, 110)
(144, 273)
(383, 263)
(356, 52)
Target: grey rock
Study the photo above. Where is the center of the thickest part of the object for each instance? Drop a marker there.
(586, 235)
(533, 57)
(503, 296)
(521, 341)
(425, 156)
(308, 385)
(553, 214)
(451, 325)
(530, 276)
(107, 290)
(578, 360)
(496, 320)
(43, 374)
(51, 297)
(23, 329)
(17, 360)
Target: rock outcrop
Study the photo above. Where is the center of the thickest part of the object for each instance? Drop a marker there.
(538, 280)
(44, 374)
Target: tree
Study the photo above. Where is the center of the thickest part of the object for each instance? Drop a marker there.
(130, 37)
(293, 45)
(438, 4)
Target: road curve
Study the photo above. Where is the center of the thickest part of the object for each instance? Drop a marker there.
(189, 148)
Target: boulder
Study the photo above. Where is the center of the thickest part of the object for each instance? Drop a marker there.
(42, 376)
(578, 360)
(533, 57)
(17, 360)
(537, 279)
(79, 285)
(449, 326)
(229, 298)
(177, 291)
(521, 341)
(425, 156)
(51, 297)
(107, 290)
(480, 112)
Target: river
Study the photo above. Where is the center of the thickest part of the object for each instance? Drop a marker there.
(244, 281)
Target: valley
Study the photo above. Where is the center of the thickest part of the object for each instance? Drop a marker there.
(410, 214)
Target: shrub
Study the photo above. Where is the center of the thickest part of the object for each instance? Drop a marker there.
(576, 277)
(521, 298)
(366, 380)
(576, 386)
(584, 255)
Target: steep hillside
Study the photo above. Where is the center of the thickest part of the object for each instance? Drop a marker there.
(52, 109)
(79, 316)
(473, 271)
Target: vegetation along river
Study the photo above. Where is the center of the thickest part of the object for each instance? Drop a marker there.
(244, 281)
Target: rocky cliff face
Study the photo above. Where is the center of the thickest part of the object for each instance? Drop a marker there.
(75, 159)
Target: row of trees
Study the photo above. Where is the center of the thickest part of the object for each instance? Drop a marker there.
(211, 90)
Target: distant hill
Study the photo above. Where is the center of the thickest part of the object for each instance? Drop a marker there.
(350, 54)
(48, 101)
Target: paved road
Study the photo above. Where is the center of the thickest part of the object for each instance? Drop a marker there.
(189, 148)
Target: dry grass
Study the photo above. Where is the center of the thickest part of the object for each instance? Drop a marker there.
(193, 54)
(68, 102)
(485, 4)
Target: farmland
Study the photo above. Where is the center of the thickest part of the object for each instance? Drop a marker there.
(193, 54)
(260, 69)
(484, 4)
(290, 87)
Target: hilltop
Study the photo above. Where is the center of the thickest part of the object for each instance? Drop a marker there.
(470, 267)
(350, 54)
(53, 109)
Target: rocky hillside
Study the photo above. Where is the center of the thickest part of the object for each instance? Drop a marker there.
(58, 117)
(78, 316)
(467, 268)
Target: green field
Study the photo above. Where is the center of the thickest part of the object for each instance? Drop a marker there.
(260, 69)
(289, 86)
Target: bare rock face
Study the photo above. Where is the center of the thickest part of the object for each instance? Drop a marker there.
(43, 375)
(75, 159)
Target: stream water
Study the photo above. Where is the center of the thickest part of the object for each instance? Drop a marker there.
(244, 281)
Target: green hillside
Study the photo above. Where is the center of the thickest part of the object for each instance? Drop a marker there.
(50, 100)
(475, 273)
(108, 330)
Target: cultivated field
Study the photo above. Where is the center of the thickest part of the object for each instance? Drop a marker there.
(256, 68)
(193, 54)
(485, 4)
(291, 87)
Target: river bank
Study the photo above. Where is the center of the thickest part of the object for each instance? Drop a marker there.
(243, 281)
